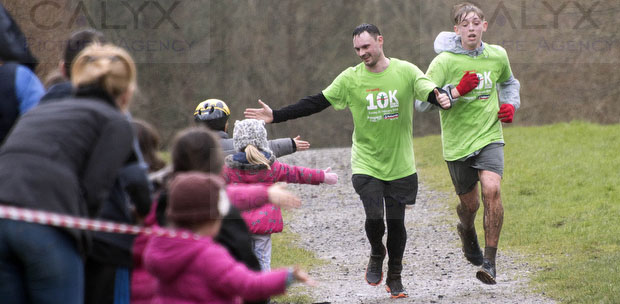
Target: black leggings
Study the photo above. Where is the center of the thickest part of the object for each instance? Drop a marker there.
(394, 195)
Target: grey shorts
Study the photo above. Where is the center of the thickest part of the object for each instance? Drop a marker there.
(464, 173)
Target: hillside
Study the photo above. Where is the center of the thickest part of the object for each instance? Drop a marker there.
(565, 53)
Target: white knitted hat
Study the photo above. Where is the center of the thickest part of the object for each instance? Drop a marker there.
(250, 132)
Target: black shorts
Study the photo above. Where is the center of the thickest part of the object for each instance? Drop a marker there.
(403, 190)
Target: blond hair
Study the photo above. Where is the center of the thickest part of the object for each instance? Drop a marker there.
(461, 10)
(107, 66)
(256, 157)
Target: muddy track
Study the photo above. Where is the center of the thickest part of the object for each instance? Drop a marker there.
(331, 222)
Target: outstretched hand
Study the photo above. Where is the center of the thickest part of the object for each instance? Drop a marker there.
(330, 178)
(301, 145)
(303, 277)
(263, 113)
(279, 196)
(442, 99)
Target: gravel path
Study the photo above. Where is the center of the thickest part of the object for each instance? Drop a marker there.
(331, 221)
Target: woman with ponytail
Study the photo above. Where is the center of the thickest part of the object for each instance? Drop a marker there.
(63, 157)
(254, 162)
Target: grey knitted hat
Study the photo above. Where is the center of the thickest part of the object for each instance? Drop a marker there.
(250, 132)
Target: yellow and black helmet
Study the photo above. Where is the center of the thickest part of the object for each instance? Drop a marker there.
(212, 112)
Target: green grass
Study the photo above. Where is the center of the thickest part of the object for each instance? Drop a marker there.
(561, 199)
(285, 253)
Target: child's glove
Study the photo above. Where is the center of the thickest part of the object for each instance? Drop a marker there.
(506, 113)
(330, 178)
(468, 82)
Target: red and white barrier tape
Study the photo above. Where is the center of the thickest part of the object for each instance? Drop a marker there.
(66, 221)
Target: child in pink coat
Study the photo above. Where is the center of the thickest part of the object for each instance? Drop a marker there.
(197, 149)
(255, 163)
(199, 270)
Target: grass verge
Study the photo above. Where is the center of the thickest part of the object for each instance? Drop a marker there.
(561, 198)
(286, 253)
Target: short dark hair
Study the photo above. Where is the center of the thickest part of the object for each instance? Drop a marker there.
(77, 42)
(372, 29)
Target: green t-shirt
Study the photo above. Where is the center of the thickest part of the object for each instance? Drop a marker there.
(382, 108)
(472, 122)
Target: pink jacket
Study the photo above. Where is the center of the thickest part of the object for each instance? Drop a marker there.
(202, 271)
(268, 218)
(143, 284)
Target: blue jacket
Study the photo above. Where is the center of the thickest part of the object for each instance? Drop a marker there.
(20, 90)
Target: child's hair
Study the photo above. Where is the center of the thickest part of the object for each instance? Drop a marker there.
(106, 66)
(77, 42)
(256, 157)
(250, 137)
(149, 140)
(461, 10)
(197, 149)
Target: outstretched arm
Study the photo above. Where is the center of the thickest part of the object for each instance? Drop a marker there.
(301, 145)
(263, 113)
(286, 146)
(304, 107)
(297, 174)
(247, 197)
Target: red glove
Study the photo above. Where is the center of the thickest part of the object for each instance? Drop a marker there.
(468, 82)
(506, 112)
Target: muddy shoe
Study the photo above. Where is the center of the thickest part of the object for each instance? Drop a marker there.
(374, 270)
(471, 249)
(486, 274)
(395, 288)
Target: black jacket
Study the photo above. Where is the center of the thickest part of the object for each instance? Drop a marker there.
(63, 157)
(57, 92)
(9, 103)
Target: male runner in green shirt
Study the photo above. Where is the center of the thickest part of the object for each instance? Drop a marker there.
(380, 93)
(471, 131)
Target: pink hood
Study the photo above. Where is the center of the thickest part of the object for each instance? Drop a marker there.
(202, 271)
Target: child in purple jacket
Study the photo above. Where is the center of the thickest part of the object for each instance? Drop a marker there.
(255, 163)
(199, 270)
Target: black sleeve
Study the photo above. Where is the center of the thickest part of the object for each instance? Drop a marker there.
(432, 99)
(110, 152)
(135, 181)
(160, 212)
(304, 107)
